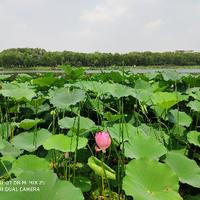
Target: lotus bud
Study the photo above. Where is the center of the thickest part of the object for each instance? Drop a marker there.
(103, 141)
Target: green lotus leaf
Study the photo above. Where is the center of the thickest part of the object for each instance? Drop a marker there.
(29, 163)
(165, 100)
(65, 143)
(171, 75)
(73, 123)
(100, 168)
(194, 105)
(27, 124)
(40, 185)
(114, 89)
(63, 98)
(44, 81)
(187, 170)
(9, 149)
(149, 179)
(180, 118)
(128, 130)
(30, 141)
(194, 138)
(18, 91)
(144, 146)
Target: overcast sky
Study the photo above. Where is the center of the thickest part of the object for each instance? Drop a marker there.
(100, 25)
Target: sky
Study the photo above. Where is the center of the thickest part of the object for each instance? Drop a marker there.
(100, 25)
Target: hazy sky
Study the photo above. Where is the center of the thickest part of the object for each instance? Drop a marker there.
(100, 25)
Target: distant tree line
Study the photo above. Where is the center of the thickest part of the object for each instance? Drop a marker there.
(28, 57)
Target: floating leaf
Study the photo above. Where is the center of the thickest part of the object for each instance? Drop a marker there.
(29, 163)
(194, 138)
(144, 146)
(40, 185)
(187, 170)
(149, 179)
(65, 143)
(100, 168)
(30, 141)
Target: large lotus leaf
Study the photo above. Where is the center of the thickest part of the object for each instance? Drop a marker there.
(159, 135)
(128, 130)
(187, 170)
(44, 81)
(119, 90)
(180, 118)
(65, 143)
(40, 185)
(83, 123)
(94, 86)
(100, 168)
(194, 138)
(171, 75)
(27, 124)
(142, 84)
(149, 179)
(63, 98)
(73, 73)
(194, 105)
(144, 146)
(165, 99)
(30, 141)
(143, 95)
(18, 91)
(29, 163)
(9, 149)
(114, 89)
(194, 92)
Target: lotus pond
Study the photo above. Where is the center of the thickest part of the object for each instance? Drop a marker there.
(106, 136)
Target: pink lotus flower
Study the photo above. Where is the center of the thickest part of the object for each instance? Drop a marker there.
(103, 141)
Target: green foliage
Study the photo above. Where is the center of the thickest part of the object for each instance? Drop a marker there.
(49, 122)
(30, 141)
(44, 185)
(101, 169)
(194, 138)
(186, 169)
(149, 179)
(140, 146)
(65, 143)
(28, 57)
(63, 98)
(29, 163)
